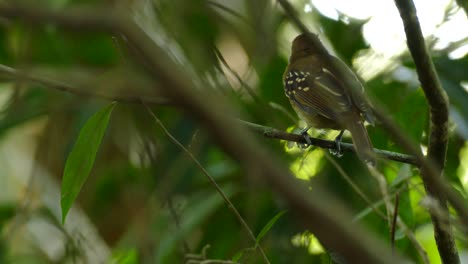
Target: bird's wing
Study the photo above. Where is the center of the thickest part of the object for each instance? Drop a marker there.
(355, 88)
(317, 93)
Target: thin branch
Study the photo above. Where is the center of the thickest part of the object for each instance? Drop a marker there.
(250, 90)
(394, 220)
(326, 144)
(236, 75)
(410, 235)
(175, 216)
(229, 11)
(291, 12)
(212, 181)
(283, 110)
(381, 180)
(438, 135)
(354, 186)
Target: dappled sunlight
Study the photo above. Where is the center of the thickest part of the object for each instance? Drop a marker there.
(306, 166)
(309, 241)
(463, 169)
(384, 31)
(425, 235)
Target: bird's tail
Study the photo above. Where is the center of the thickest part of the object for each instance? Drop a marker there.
(362, 142)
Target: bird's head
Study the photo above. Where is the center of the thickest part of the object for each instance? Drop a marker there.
(307, 44)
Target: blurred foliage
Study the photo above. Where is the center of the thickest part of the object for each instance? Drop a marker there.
(347, 38)
(145, 199)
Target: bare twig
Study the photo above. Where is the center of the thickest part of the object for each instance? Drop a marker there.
(353, 185)
(419, 248)
(212, 181)
(327, 144)
(394, 220)
(201, 258)
(392, 214)
(380, 178)
(173, 212)
(236, 75)
(229, 11)
(438, 135)
(289, 9)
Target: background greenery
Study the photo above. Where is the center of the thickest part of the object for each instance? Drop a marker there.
(145, 201)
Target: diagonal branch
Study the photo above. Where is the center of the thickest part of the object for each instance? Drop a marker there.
(438, 134)
(212, 181)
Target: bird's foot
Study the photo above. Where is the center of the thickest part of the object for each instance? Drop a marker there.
(306, 137)
(337, 150)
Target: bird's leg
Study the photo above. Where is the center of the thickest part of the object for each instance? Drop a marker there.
(337, 152)
(306, 138)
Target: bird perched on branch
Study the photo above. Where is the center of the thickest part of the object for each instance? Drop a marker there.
(326, 93)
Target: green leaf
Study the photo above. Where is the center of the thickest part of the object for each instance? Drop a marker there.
(125, 257)
(7, 212)
(347, 38)
(269, 225)
(237, 256)
(81, 159)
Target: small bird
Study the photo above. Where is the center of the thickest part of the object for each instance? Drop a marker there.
(326, 93)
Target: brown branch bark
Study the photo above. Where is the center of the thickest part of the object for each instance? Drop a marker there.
(270, 132)
(438, 134)
(319, 211)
